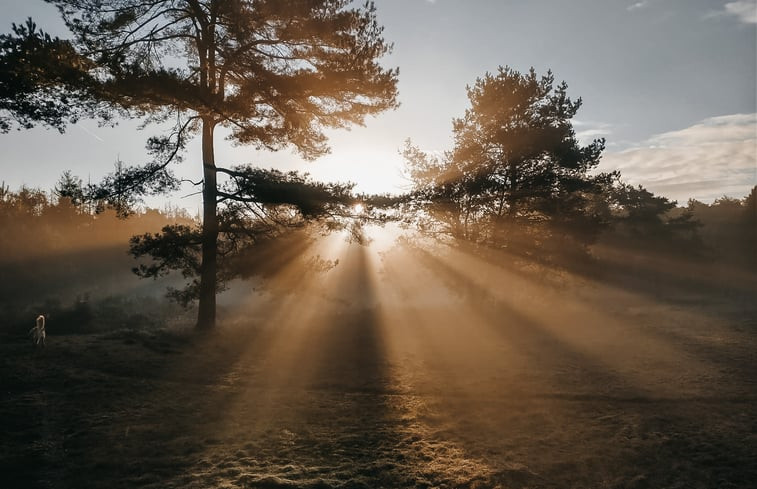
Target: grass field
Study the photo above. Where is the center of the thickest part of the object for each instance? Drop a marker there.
(579, 387)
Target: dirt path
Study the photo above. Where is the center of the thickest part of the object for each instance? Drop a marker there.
(550, 391)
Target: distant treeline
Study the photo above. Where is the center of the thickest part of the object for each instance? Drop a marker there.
(60, 246)
(72, 263)
(37, 223)
(723, 232)
(728, 228)
(655, 247)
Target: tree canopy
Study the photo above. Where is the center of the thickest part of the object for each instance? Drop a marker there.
(517, 173)
(274, 73)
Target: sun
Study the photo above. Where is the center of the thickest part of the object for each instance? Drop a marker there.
(358, 208)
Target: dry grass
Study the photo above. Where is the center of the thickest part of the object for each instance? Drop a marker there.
(616, 391)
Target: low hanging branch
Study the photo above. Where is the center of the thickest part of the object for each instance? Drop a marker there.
(273, 187)
(259, 208)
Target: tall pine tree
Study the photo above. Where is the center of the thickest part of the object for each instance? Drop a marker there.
(273, 72)
(517, 176)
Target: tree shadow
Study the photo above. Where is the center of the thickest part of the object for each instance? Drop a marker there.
(669, 277)
(304, 402)
(575, 416)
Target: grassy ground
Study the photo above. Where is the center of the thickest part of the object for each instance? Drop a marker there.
(610, 391)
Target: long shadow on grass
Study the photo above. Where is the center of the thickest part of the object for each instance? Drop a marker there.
(305, 401)
(669, 277)
(577, 420)
(320, 410)
(127, 409)
(101, 410)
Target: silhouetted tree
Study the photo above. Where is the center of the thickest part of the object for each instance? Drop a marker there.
(517, 176)
(750, 227)
(273, 72)
(72, 188)
(263, 206)
(642, 219)
(729, 228)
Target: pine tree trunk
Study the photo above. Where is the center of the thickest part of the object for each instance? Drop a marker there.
(206, 315)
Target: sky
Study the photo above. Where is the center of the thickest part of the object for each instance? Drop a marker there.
(670, 84)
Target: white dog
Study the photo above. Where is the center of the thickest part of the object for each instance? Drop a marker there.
(38, 332)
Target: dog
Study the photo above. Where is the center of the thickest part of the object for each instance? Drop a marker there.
(38, 332)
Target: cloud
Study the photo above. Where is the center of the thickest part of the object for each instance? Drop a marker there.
(637, 6)
(590, 130)
(744, 10)
(715, 157)
(590, 135)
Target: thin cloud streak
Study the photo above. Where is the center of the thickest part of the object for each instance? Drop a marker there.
(745, 11)
(87, 131)
(589, 131)
(637, 6)
(715, 157)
